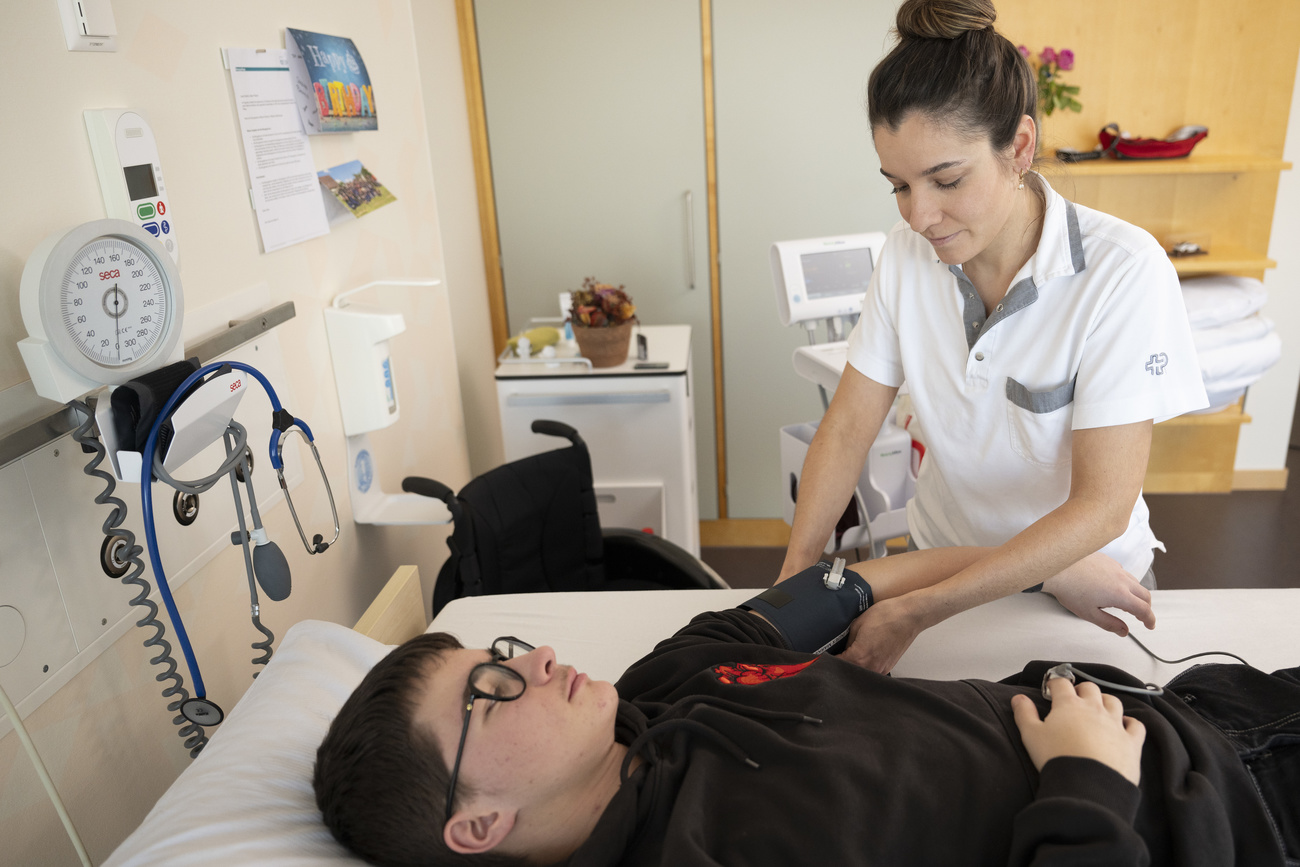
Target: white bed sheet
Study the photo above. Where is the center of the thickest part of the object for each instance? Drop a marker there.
(603, 633)
(248, 799)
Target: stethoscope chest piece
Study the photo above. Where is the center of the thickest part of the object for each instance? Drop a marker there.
(201, 711)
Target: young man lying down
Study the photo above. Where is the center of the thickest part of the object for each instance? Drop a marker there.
(734, 743)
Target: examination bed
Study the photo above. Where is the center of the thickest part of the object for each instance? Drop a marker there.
(248, 799)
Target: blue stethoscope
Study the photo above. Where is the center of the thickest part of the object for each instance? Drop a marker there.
(199, 709)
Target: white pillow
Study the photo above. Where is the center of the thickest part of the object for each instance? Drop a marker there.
(247, 798)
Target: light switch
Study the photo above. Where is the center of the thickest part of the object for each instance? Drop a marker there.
(88, 25)
(95, 17)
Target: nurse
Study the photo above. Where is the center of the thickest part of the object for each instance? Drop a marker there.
(1039, 339)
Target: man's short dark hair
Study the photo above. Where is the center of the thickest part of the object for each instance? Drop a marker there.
(380, 781)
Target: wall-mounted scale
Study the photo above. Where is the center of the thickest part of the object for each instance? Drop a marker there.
(130, 173)
(103, 306)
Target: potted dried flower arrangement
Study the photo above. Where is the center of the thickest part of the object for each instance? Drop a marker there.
(602, 317)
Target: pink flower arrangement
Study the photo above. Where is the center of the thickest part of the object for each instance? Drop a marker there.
(1052, 92)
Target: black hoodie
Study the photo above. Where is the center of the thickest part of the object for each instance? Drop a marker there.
(857, 768)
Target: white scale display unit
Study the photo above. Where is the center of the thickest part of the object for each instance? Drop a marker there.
(102, 305)
(130, 173)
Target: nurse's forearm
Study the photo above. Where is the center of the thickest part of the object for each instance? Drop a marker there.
(833, 465)
(900, 574)
(1048, 546)
(1105, 481)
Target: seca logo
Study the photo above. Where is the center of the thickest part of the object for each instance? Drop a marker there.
(234, 386)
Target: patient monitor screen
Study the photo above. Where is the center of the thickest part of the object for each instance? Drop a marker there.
(838, 272)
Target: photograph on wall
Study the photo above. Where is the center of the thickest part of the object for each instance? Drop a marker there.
(331, 85)
(355, 188)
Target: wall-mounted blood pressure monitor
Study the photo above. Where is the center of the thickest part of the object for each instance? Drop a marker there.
(102, 304)
(130, 173)
(820, 278)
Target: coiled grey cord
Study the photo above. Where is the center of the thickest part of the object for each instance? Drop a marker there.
(195, 738)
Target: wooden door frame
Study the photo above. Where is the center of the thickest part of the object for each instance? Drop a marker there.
(487, 203)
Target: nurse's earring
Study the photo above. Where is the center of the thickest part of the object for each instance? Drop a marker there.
(1022, 180)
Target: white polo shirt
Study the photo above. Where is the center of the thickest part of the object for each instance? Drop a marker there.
(1092, 333)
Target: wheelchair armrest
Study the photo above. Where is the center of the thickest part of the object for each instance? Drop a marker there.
(557, 429)
(438, 491)
(633, 554)
(427, 488)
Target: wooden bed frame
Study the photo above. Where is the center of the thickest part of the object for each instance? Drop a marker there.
(397, 613)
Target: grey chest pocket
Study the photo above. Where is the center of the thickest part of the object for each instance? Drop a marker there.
(1039, 423)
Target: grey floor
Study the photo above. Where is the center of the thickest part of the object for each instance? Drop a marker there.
(1238, 539)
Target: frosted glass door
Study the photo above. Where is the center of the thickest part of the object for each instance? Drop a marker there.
(595, 119)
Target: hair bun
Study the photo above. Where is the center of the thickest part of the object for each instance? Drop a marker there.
(943, 19)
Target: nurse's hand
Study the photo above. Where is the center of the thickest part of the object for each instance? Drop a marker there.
(1097, 582)
(879, 636)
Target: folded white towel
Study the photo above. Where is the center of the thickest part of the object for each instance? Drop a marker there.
(1218, 299)
(1254, 327)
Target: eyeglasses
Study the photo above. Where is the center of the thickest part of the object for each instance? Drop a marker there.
(493, 681)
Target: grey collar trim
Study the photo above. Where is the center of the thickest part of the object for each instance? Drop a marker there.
(1076, 240)
(1018, 297)
(1021, 294)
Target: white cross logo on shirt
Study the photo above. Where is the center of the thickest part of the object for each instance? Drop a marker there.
(1157, 363)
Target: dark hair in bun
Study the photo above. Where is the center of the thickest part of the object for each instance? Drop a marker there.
(951, 64)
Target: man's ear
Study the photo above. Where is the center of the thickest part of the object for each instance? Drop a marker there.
(471, 834)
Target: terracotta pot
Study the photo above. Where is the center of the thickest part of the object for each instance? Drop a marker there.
(605, 347)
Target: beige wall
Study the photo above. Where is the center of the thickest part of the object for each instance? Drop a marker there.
(106, 736)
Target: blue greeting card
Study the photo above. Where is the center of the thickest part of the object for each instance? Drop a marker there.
(331, 85)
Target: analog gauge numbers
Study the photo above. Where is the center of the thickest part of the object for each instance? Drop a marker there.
(102, 304)
(113, 301)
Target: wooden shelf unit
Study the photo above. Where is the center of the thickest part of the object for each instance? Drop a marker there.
(1194, 454)
(1153, 67)
(1195, 164)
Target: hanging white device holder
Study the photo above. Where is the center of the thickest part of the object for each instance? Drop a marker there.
(196, 424)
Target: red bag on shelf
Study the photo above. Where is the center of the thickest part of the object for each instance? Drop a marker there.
(1179, 143)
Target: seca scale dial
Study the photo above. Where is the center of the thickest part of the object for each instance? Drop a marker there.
(113, 301)
(102, 304)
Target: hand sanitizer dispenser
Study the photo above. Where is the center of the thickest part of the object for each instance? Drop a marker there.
(359, 336)
(363, 366)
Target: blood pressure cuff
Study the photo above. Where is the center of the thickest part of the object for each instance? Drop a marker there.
(136, 404)
(809, 615)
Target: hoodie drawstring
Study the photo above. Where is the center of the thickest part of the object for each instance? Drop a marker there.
(666, 727)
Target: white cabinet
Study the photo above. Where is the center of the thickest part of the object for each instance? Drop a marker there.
(639, 426)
